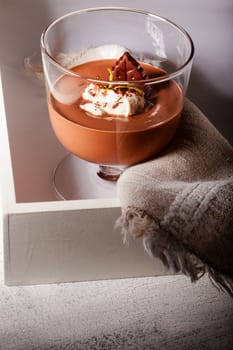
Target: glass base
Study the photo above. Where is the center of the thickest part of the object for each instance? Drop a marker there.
(109, 173)
(75, 178)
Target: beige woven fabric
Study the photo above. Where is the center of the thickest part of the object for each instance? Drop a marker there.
(181, 202)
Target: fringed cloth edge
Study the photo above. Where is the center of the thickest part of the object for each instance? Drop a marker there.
(174, 254)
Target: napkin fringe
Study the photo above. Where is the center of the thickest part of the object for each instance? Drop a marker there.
(174, 255)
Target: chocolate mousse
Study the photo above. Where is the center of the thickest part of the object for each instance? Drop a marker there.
(116, 124)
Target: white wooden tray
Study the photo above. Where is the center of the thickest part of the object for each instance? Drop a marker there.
(47, 240)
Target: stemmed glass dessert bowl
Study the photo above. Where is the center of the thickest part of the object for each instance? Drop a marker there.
(116, 79)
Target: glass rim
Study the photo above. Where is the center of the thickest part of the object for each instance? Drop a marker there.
(163, 78)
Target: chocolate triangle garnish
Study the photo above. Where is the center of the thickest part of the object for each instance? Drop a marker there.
(128, 69)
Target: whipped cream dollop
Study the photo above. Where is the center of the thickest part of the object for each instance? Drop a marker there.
(99, 101)
(69, 60)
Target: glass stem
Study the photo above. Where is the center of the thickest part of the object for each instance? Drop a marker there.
(110, 173)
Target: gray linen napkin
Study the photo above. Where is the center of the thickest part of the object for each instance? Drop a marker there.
(181, 202)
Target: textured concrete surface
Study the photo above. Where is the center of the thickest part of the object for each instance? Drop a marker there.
(146, 313)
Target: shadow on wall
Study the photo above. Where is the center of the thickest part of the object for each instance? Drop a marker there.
(214, 104)
(21, 25)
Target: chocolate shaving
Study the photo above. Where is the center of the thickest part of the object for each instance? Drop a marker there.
(128, 69)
